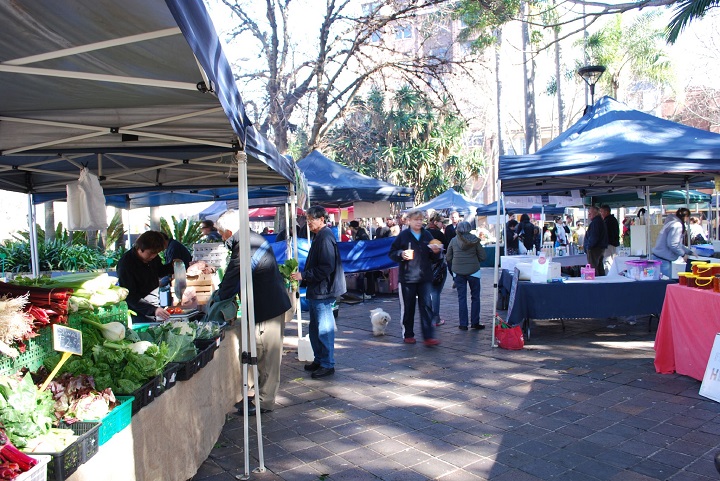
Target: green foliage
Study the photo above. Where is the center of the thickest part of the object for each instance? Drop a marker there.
(687, 11)
(115, 232)
(481, 18)
(412, 143)
(55, 255)
(184, 231)
(637, 48)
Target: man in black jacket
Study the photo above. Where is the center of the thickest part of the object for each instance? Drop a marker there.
(613, 233)
(324, 278)
(139, 271)
(270, 302)
(596, 240)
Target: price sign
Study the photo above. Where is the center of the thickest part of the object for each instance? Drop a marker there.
(67, 339)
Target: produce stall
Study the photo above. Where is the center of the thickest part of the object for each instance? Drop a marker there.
(118, 375)
(170, 438)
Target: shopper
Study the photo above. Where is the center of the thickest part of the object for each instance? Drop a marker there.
(596, 240)
(464, 255)
(413, 251)
(209, 231)
(324, 278)
(669, 245)
(270, 303)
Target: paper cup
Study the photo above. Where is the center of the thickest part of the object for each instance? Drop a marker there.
(410, 254)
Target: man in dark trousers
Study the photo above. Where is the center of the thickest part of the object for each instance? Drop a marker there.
(596, 240)
(613, 233)
(324, 278)
(270, 302)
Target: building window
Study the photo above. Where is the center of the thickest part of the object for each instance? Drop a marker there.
(403, 31)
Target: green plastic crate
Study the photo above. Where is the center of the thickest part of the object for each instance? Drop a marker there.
(116, 420)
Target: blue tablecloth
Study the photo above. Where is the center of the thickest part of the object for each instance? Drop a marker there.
(588, 300)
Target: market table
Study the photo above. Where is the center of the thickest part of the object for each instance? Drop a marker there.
(689, 320)
(612, 296)
(171, 437)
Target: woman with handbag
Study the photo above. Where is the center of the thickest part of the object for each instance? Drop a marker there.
(464, 255)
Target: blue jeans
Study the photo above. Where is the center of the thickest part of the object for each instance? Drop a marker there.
(436, 291)
(322, 331)
(665, 266)
(461, 283)
(423, 293)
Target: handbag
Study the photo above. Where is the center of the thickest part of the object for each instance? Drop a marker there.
(440, 270)
(509, 337)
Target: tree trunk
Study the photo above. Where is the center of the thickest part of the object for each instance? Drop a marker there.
(558, 83)
(155, 218)
(531, 131)
(49, 222)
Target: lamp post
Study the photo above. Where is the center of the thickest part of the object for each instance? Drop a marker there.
(591, 74)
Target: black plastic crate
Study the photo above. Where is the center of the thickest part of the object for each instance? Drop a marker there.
(67, 461)
(168, 378)
(207, 354)
(189, 368)
(144, 395)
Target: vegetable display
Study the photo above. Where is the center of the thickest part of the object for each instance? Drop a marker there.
(54, 302)
(15, 325)
(76, 398)
(12, 461)
(25, 411)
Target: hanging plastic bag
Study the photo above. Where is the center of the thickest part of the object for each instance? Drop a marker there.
(180, 277)
(539, 272)
(86, 203)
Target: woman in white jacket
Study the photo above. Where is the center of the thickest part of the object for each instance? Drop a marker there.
(669, 245)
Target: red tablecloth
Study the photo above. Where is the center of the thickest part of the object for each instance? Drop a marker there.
(689, 320)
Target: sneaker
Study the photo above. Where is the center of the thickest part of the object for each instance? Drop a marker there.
(463, 328)
(366, 297)
(409, 340)
(323, 372)
(440, 322)
(431, 342)
(478, 326)
(312, 367)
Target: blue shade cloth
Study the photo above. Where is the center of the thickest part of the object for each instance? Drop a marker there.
(586, 300)
(359, 256)
(491, 209)
(611, 149)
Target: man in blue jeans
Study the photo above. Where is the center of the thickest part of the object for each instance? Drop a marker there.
(324, 279)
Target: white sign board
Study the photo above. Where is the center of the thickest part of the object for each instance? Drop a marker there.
(710, 387)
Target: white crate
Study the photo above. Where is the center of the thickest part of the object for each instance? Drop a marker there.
(37, 472)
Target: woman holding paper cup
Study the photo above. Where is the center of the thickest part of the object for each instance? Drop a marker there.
(413, 251)
(464, 255)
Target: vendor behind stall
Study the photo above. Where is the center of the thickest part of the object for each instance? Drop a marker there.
(139, 271)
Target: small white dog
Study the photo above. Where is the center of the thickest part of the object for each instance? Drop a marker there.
(379, 320)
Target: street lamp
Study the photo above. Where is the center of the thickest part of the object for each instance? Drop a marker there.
(591, 74)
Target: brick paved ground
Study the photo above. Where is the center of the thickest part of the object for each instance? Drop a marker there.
(583, 404)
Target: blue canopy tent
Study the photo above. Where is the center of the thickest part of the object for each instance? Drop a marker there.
(491, 209)
(449, 201)
(668, 197)
(615, 149)
(333, 185)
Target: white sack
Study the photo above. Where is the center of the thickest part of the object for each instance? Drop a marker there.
(86, 203)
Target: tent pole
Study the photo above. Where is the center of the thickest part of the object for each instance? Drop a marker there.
(499, 236)
(294, 247)
(248, 347)
(34, 256)
(648, 247)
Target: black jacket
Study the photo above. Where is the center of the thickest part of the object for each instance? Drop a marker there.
(142, 281)
(175, 250)
(270, 298)
(419, 269)
(324, 276)
(613, 230)
(526, 232)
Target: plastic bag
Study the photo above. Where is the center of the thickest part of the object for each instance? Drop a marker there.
(86, 203)
(539, 272)
(180, 276)
(509, 337)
